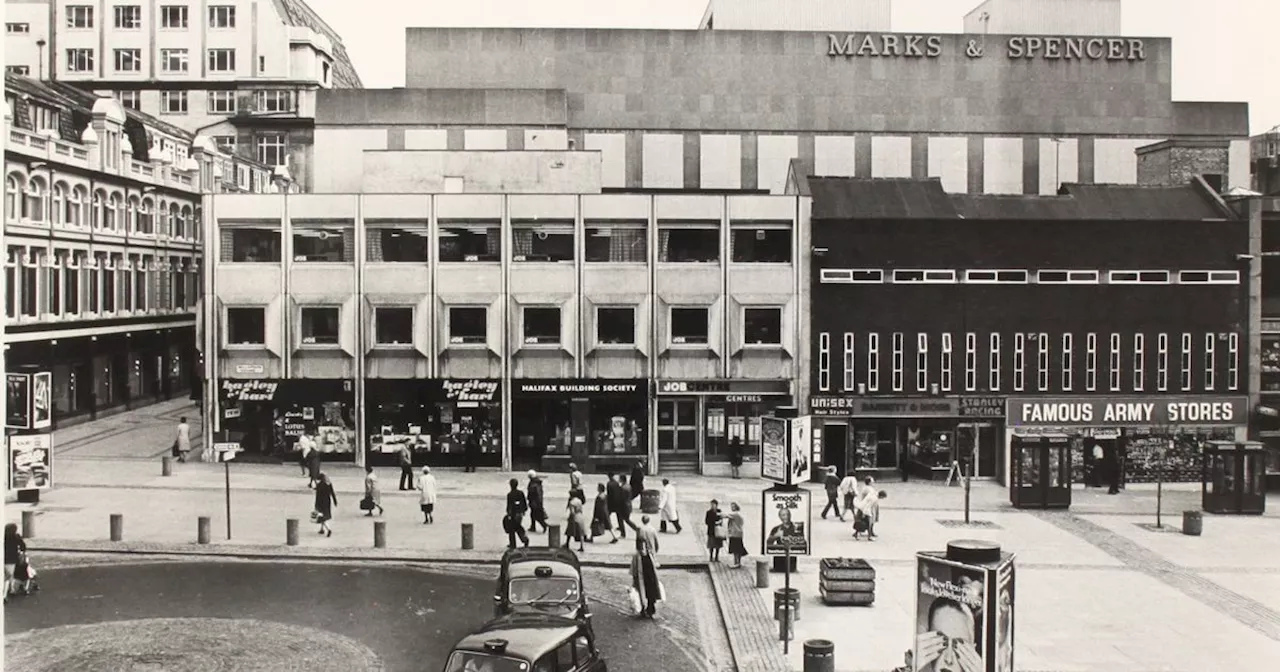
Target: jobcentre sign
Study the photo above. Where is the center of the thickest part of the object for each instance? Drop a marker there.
(1127, 411)
(1014, 47)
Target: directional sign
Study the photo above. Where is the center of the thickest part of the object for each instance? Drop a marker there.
(226, 451)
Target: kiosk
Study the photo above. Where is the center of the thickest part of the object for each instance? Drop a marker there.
(1041, 472)
(1234, 478)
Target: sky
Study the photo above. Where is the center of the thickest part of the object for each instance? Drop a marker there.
(1219, 47)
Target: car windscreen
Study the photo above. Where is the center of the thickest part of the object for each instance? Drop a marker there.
(544, 590)
(472, 661)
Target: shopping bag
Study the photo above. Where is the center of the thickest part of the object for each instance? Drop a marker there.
(635, 600)
(366, 504)
(662, 592)
(315, 516)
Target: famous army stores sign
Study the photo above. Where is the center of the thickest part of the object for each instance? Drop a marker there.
(897, 45)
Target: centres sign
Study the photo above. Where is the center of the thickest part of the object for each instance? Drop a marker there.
(1127, 411)
(895, 45)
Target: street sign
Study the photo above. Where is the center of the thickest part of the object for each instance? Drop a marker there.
(226, 451)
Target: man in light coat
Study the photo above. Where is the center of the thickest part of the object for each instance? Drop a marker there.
(848, 491)
(668, 507)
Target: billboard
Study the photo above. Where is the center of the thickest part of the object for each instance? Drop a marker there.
(798, 463)
(41, 400)
(964, 615)
(17, 395)
(774, 454)
(784, 522)
(31, 462)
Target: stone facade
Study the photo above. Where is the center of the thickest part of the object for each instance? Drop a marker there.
(1175, 162)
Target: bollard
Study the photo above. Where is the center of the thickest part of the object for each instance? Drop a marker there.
(786, 599)
(1192, 523)
(291, 531)
(819, 655)
(166, 466)
(468, 536)
(379, 534)
(28, 524)
(762, 573)
(202, 530)
(553, 536)
(117, 526)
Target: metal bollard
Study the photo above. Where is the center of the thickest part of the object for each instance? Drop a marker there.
(762, 573)
(553, 536)
(28, 524)
(379, 534)
(468, 536)
(166, 466)
(291, 531)
(819, 655)
(117, 526)
(202, 530)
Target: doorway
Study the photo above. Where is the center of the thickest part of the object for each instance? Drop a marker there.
(678, 428)
(835, 441)
(976, 445)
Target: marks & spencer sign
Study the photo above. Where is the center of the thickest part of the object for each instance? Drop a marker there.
(1127, 411)
(901, 45)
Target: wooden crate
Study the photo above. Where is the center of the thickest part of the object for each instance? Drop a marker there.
(847, 569)
(848, 599)
(842, 586)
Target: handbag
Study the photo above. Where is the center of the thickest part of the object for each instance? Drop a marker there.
(634, 596)
(722, 531)
(315, 516)
(366, 504)
(174, 449)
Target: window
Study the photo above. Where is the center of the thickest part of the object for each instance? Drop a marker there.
(922, 362)
(616, 325)
(36, 198)
(1091, 362)
(70, 287)
(398, 242)
(689, 326)
(173, 16)
(80, 60)
(273, 100)
(1019, 361)
(222, 60)
(17, 28)
(176, 60)
(688, 244)
(468, 325)
(1162, 362)
(542, 242)
(873, 362)
(1113, 363)
(762, 326)
(849, 352)
(824, 362)
(128, 60)
(1139, 362)
(320, 326)
(128, 16)
(271, 149)
(1209, 277)
(994, 277)
(393, 326)
(1210, 360)
(541, 326)
(173, 102)
(993, 363)
(946, 363)
(250, 245)
(225, 143)
(323, 242)
(970, 362)
(79, 16)
(221, 102)
(246, 326)
(130, 99)
(23, 70)
(1187, 357)
(899, 343)
(222, 16)
(1138, 277)
(262, 64)
(1042, 362)
(141, 272)
(617, 242)
(470, 241)
(760, 244)
(1233, 361)
(851, 276)
(1068, 362)
(924, 276)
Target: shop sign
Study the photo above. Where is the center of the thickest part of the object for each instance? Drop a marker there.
(31, 462)
(249, 390)
(883, 407)
(580, 386)
(469, 390)
(905, 45)
(784, 522)
(1128, 411)
(250, 369)
(736, 390)
(982, 407)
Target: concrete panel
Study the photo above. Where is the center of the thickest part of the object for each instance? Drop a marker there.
(395, 138)
(890, 156)
(773, 157)
(919, 156)
(1115, 160)
(420, 107)
(662, 161)
(485, 139)
(515, 139)
(546, 138)
(613, 157)
(721, 162)
(862, 155)
(834, 155)
(1059, 163)
(634, 159)
(949, 161)
(1030, 165)
(1002, 165)
(1238, 173)
(1086, 160)
(976, 147)
(692, 160)
(750, 169)
(457, 139)
(426, 138)
(483, 172)
(338, 157)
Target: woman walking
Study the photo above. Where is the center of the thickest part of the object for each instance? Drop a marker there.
(600, 515)
(714, 540)
(574, 526)
(372, 492)
(427, 496)
(733, 522)
(15, 548)
(313, 461)
(326, 499)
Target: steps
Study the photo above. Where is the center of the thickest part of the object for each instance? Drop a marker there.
(678, 464)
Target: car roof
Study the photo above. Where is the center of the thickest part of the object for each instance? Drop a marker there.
(526, 570)
(516, 556)
(528, 635)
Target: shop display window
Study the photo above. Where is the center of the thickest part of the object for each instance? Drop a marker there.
(437, 433)
(727, 421)
(610, 426)
(468, 324)
(617, 427)
(246, 326)
(1271, 362)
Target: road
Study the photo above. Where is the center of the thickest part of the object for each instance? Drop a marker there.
(408, 616)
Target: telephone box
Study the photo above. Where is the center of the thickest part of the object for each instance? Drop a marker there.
(1041, 472)
(1234, 477)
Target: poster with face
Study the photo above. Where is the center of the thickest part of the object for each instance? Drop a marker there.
(785, 522)
(950, 623)
(41, 400)
(31, 462)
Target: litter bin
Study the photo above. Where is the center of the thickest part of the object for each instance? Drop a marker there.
(649, 501)
(786, 598)
(1192, 523)
(819, 655)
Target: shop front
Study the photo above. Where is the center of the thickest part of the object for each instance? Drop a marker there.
(870, 434)
(267, 416)
(437, 418)
(599, 424)
(700, 423)
(1145, 437)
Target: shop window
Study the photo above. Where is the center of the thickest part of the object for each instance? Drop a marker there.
(688, 245)
(1091, 362)
(393, 326)
(470, 243)
(1139, 361)
(924, 276)
(616, 325)
(689, 326)
(873, 362)
(899, 344)
(1068, 357)
(246, 326)
(1113, 363)
(541, 326)
(541, 242)
(922, 362)
(849, 353)
(1162, 363)
(245, 244)
(824, 362)
(402, 243)
(1187, 358)
(762, 326)
(970, 362)
(1233, 361)
(468, 325)
(1019, 361)
(320, 326)
(313, 242)
(617, 243)
(761, 245)
(946, 363)
(1042, 362)
(1210, 360)
(851, 276)
(1067, 277)
(985, 277)
(993, 364)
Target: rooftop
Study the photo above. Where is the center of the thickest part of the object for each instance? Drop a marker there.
(299, 13)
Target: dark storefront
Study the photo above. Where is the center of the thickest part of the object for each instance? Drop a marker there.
(870, 434)
(436, 418)
(599, 424)
(267, 416)
(698, 419)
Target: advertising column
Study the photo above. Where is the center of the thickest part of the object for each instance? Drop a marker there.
(964, 608)
(28, 426)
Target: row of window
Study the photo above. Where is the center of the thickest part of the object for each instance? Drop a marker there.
(1033, 356)
(81, 284)
(217, 102)
(539, 325)
(173, 61)
(172, 17)
(856, 276)
(31, 202)
(604, 242)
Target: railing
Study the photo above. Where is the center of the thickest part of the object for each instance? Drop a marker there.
(58, 150)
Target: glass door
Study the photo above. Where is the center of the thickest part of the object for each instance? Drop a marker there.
(678, 427)
(976, 447)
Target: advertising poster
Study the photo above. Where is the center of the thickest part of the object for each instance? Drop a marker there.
(798, 465)
(951, 632)
(17, 395)
(785, 522)
(31, 462)
(1004, 618)
(41, 400)
(773, 449)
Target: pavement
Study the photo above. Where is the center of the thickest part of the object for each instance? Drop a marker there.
(1140, 597)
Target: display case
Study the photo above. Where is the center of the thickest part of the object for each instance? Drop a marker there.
(1233, 479)
(1041, 472)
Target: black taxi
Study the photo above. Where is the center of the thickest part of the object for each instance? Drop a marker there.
(541, 580)
(528, 642)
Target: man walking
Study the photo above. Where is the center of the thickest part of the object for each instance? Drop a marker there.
(832, 485)
(637, 479)
(668, 508)
(537, 508)
(513, 522)
(620, 504)
(848, 492)
(406, 467)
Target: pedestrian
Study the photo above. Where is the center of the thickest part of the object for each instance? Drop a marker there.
(304, 456)
(427, 495)
(868, 512)
(15, 550)
(714, 540)
(513, 521)
(600, 515)
(617, 498)
(644, 571)
(473, 449)
(1095, 473)
(669, 508)
(406, 467)
(627, 507)
(734, 526)
(735, 456)
(637, 479)
(575, 483)
(182, 442)
(537, 509)
(313, 460)
(848, 493)
(832, 485)
(372, 493)
(575, 526)
(1114, 469)
(326, 499)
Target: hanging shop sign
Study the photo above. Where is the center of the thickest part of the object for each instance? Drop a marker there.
(579, 386)
(883, 407)
(1128, 411)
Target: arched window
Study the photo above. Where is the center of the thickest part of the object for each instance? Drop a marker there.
(177, 225)
(146, 216)
(113, 213)
(58, 213)
(37, 196)
(193, 222)
(131, 214)
(13, 197)
(76, 206)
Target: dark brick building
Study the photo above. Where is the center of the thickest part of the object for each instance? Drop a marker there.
(934, 315)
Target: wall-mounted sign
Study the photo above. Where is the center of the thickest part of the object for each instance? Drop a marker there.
(748, 390)
(1052, 48)
(1128, 411)
(579, 386)
(982, 407)
(249, 390)
(31, 462)
(883, 407)
(469, 390)
(250, 369)
(885, 44)
(1077, 48)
